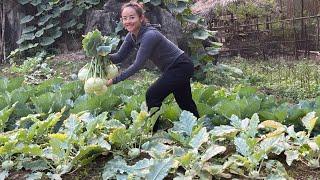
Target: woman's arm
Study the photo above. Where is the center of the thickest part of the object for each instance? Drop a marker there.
(148, 43)
(124, 50)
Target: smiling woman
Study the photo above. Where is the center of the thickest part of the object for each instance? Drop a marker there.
(176, 66)
(132, 17)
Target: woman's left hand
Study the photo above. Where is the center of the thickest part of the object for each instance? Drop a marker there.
(109, 82)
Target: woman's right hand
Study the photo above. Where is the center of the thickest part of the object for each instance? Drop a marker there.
(109, 82)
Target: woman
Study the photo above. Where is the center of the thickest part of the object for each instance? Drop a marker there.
(176, 67)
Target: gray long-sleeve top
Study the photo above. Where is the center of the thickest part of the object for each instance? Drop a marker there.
(151, 45)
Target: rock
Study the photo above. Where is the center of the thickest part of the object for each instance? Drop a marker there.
(99, 19)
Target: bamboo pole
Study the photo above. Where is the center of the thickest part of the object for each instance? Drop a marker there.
(318, 33)
(3, 45)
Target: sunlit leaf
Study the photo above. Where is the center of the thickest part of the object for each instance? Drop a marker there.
(242, 146)
(201, 137)
(212, 151)
(186, 123)
(223, 130)
(159, 170)
(309, 121)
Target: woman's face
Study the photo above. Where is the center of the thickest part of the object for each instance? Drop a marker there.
(131, 20)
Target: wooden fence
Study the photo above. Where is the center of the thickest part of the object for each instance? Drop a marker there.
(287, 34)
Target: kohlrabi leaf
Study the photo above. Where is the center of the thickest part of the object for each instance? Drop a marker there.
(115, 166)
(291, 155)
(253, 125)
(4, 116)
(201, 137)
(186, 123)
(242, 146)
(212, 151)
(159, 169)
(223, 130)
(309, 121)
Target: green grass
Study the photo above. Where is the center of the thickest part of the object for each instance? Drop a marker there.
(288, 79)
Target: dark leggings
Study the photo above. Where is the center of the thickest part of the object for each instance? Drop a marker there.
(176, 80)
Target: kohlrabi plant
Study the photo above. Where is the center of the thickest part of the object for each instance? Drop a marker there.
(100, 68)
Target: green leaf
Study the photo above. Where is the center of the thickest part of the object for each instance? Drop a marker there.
(141, 168)
(49, 26)
(291, 155)
(212, 51)
(223, 130)
(3, 84)
(177, 8)
(66, 7)
(28, 46)
(159, 169)
(276, 171)
(39, 32)
(4, 116)
(236, 122)
(36, 165)
(228, 108)
(201, 34)
(187, 159)
(104, 50)
(171, 111)
(191, 18)
(28, 29)
(199, 138)
(24, 37)
(87, 153)
(155, 148)
(120, 137)
(44, 102)
(56, 33)
(155, 2)
(242, 146)
(33, 176)
(31, 149)
(46, 41)
(4, 174)
(91, 41)
(23, 2)
(26, 19)
(186, 123)
(47, 86)
(14, 83)
(212, 151)
(20, 95)
(309, 121)
(112, 167)
(253, 125)
(35, 2)
(69, 24)
(317, 140)
(72, 126)
(44, 19)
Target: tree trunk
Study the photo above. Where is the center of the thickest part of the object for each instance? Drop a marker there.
(10, 15)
